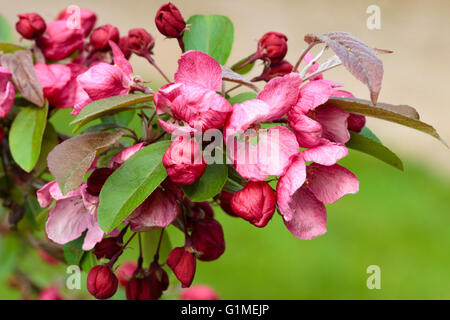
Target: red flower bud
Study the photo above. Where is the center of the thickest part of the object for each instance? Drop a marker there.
(100, 36)
(108, 247)
(123, 45)
(199, 292)
(207, 239)
(183, 161)
(255, 203)
(139, 289)
(169, 21)
(30, 25)
(97, 179)
(199, 210)
(159, 280)
(356, 122)
(182, 262)
(224, 199)
(275, 70)
(140, 41)
(126, 271)
(273, 45)
(102, 282)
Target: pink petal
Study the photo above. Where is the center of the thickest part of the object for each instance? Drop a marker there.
(281, 93)
(246, 160)
(158, 211)
(120, 60)
(124, 155)
(313, 94)
(81, 100)
(175, 128)
(307, 130)
(93, 235)
(67, 220)
(7, 99)
(330, 183)
(310, 217)
(165, 95)
(288, 184)
(334, 123)
(197, 68)
(245, 114)
(51, 191)
(326, 154)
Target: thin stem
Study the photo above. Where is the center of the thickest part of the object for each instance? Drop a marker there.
(159, 137)
(181, 43)
(312, 44)
(156, 257)
(117, 255)
(153, 63)
(231, 89)
(253, 58)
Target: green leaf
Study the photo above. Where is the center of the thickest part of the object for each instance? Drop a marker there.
(73, 252)
(25, 136)
(49, 141)
(150, 244)
(241, 97)
(7, 47)
(374, 148)
(10, 250)
(69, 161)
(369, 134)
(211, 34)
(131, 184)
(88, 261)
(109, 106)
(245, 69)
(5, 30)
(209, 185)
(401, 114)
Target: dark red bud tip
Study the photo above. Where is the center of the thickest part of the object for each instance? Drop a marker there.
(102, 282)
(97, 179)
(169, 21)
(183, 263)
(207, 239)
(30, 25)
(275, 70)
(108, 247)
(255, 203)
(159, 280)
(273, 46)
(138, 289)
(140, 41)
(102, 35)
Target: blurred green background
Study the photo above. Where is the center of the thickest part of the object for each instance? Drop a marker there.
(398, 221)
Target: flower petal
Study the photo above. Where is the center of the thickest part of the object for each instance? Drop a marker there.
(326, 154)
(93, 235)
(120, 60)
(330, 183)
(124, 155)
(313, 94)
(310, 216)
(307, 130)
(245, 114)
(334, 123)
(281, 93)
(197, 68)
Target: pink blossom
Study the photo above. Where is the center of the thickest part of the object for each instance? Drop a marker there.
(118, 159)
(50, 293)
(199, 292)
(88, 18)
(7, 92)
(303, 190)
(192, 98)
(59, 82)
(72, 214)
(158, 211)
(59, 41)
(104, 80)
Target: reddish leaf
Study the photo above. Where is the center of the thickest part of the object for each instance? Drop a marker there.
(356, 56)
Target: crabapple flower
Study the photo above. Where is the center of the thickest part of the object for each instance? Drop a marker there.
(192, 98)
(118, 159)
(183, 161)
(255, 203)
(273, 46)
(169, 21)
(30, 25)
(199, 292)
(157, 211)
(182, 262)
(104, 80)
(102, 35)
(72, 214)
(59, 41)
(50, 293)
(7, 92)
(88, 18)
(59, 82)
(303, 190)
(207, 239)
(102, 282)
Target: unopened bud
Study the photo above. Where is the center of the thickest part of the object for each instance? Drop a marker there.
(183, 263)
(30, 25)
(100, 36)
(207, 239)
(140, 41)
(169, 21)
(102, 282)
(273, 45)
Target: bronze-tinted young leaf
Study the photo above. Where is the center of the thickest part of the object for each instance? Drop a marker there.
(69, 161)
(25, 80)
(356, 56)
(109, 106)
(401, 114)
(374, 148)
(6, 47)
(230, 75)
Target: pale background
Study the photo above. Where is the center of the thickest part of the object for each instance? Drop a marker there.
(416, 74)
